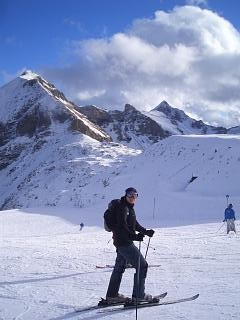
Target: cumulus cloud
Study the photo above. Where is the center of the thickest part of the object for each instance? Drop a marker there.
(188, 56)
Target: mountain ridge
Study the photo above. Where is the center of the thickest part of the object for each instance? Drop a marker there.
(47, 160)
(141, 129)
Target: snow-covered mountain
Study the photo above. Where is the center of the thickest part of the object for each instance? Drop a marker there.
(178, 122)
(53, 155)
(141, 129)
(39, 130)
(48, 149)
(130, 126)
(234, 130)
(30, 110)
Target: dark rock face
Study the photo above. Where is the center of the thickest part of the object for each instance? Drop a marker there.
(33, 122)
(126, 125)
(10, 154)
(2, 133)
(143, 125)
(96, 115)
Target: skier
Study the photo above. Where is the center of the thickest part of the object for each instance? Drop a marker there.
(229, 217)
(124, 234)
(81, 226)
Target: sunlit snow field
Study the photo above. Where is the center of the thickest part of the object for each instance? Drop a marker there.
(48, 268)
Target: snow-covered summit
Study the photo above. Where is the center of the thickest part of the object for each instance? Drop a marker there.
(178, 122)
(29, 75)
(30, 104)
(35, 117)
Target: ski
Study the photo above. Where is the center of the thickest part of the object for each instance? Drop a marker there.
(111, 266)
(152, 304)
(103, 305)
(99, 306)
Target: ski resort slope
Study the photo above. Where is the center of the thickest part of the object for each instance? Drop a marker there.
(48, 268)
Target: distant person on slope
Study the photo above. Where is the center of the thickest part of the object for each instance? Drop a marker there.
(229, 217)
(124, 233)
(81, 226)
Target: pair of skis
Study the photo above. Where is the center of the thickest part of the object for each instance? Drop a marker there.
(128, 305)
(128, 266)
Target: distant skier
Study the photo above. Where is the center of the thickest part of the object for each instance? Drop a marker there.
(124, 233)
(81, 226)
(229, 217)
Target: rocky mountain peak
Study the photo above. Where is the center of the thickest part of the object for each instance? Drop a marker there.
(31, 104)
(172, 113)
(34, 79)
(163, 106)
(130, 126)
(129, 108)
(31, 110)
(181, 123)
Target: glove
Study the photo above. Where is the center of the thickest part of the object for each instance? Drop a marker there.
(149, 233)
(139, 237)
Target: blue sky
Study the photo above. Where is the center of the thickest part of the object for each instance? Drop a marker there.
(97, 52)
(34, 33)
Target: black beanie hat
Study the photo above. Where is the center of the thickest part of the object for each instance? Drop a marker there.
(130, 190)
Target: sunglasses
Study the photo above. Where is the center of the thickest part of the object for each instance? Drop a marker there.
(132, 195)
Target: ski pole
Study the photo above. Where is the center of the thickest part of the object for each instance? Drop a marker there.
(151, 247)
(147, 248)
(221, 227)
(227, 197)
(138, 273)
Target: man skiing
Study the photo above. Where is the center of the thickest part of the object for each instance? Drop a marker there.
(229, 217)
(124, 233)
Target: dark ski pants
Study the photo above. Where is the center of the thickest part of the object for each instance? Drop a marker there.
(128, 254)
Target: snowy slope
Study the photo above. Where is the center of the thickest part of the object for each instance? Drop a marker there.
(84, 173)
(48, 268)
(163, 174)
(74, 171)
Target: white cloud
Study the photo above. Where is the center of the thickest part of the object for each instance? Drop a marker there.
(197, 2)
(189, 57)
(89, 94)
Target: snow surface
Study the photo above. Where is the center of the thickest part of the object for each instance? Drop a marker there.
(78, 171)
(48, 267)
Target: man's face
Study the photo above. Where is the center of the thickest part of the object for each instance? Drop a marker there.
(131, 197)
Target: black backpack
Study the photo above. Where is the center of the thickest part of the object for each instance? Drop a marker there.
(110, 216)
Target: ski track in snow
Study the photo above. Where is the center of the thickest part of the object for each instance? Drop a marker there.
(45, 274)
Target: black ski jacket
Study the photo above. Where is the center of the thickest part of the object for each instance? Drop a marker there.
(127, 225)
